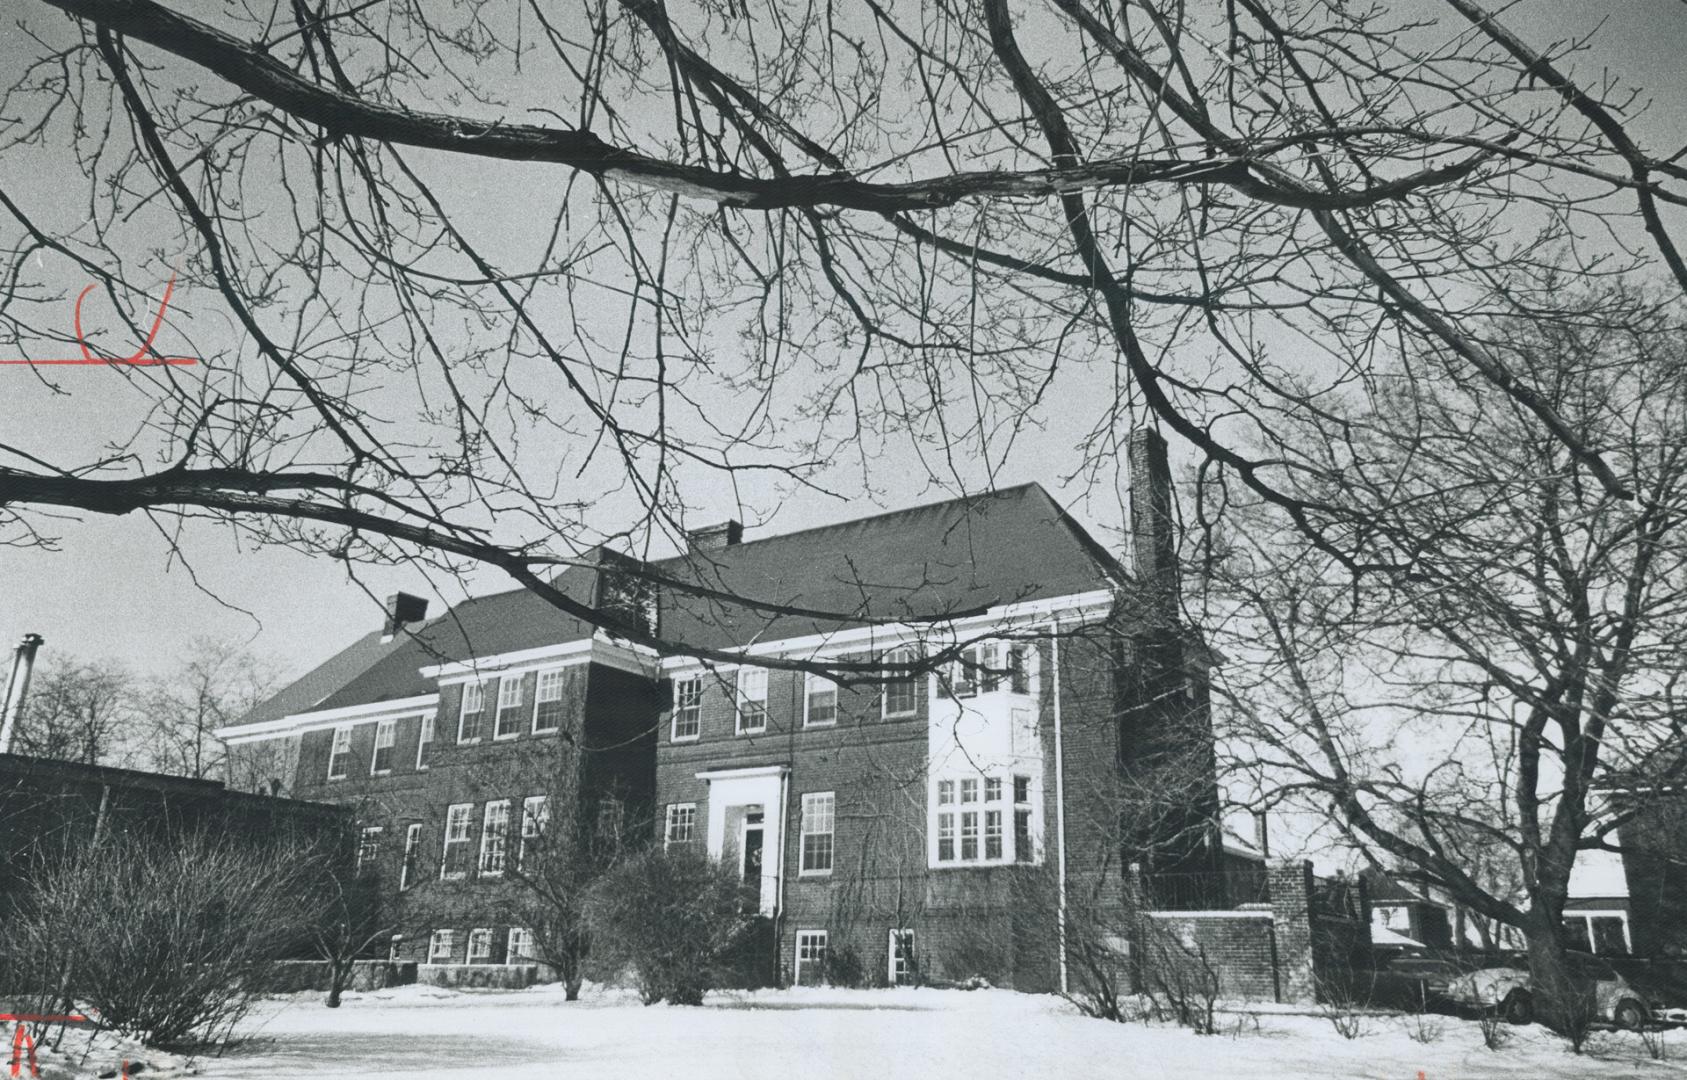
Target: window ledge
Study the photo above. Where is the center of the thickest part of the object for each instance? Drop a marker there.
(814, 873)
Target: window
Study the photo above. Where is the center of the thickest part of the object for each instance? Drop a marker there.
(945, 792)
(969, 836)
(811, 957)
(969, 791)
(408, 871)
(1022, 790)
(509, 708)
(1022, 665)
(535, 815)
(976, 672)
(820, 707)
(901, 693)
(455, 861)
(817, 816)
(520, 948)
(688, 708)
(901, 952)
(368, 848)
(1576, 935)
(474, 711)
(1609, 938)
(1023, 850)
(969, 820)
(547, 711)
(992, 834)
(992, 789)
(424, 742)
(494, 828)
(386, 736)
(682, 824)
(441, 945)
(945, 837)
(752, 700)
(480, 945)
(339, 755)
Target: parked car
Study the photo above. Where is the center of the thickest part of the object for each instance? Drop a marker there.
(1507, 989)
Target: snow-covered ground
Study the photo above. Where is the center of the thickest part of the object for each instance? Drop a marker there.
(426, 1033)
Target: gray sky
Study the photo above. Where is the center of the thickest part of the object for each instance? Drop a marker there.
(112, 590)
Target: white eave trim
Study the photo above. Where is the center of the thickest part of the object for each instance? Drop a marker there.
(598, 649)
(311, 721)
(1076, 608)
(749, 773)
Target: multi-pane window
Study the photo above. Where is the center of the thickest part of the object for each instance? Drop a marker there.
(520, 948)
(1022, 846)
(818, 811)
(509, 707)
(339, 754)
(547, 712)
(752, 700)
(1022, 660)
(424, 742)
(681, 825)
(368, 848)
(969, 790)
(992, 789)
(474, 712)
(811, 957)
(901, 691)
(495, 827)
(480, 945)
(992, 834)
(409, 870)
(535, 815)
(454, 863)
(969, 836)
(821, 704)
(386, 737)
(945, 792)
(688, 707)
(441, 945)
(976, 672)
(902, 969)
(945, 837)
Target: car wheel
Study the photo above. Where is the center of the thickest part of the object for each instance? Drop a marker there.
(1518, 1008)
(1630, 1015)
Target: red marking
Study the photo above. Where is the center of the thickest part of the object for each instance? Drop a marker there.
(21, 1035)
(138, 358)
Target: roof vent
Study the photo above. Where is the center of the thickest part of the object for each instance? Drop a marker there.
(402, 608)
(715, 537)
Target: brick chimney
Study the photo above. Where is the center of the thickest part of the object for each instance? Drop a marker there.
(1152, 546)
(402, 608)
(715, 537)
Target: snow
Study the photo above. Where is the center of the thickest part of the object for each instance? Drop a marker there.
(1382, 935)
(432, 1033)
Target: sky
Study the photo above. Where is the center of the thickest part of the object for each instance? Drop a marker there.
(112, 589)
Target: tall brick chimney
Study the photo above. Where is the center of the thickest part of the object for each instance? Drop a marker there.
(402, 608)
(715, 537)
(1152, 545)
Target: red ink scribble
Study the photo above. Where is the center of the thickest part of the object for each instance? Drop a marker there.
(136, 359)
(23, 1041)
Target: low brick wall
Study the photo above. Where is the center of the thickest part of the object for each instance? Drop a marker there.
(1238, 944)
(292, 976)
(480, 976)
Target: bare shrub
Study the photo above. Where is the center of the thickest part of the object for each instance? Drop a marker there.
(1652, 1038)
(670, 917)
(167, 938)
(1343, 994)
(1423, 1026)
(1181, 982)
(1495, 1032)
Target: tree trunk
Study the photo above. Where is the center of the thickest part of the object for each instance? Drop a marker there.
(572, 986)
(1555, 1000)
(337, 979)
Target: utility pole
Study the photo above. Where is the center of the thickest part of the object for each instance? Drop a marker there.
(17, 688)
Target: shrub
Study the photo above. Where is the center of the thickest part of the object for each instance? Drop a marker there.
(669, 916)
(166, 938)
(844, 967)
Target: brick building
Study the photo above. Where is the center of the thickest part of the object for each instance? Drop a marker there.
(933, 824)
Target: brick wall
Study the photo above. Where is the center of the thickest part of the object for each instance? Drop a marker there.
(1238, 945)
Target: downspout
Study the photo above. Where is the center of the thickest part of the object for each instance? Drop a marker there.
(1059, 802)
(17, 688)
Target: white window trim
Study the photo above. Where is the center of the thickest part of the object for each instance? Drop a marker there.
(892, 940)
(668, 825)
(540, 820)
(803, 834)
(412, 846)
(480, 933)
(335, 754)
(390, 727)
(510, 951)
(826, 946)
(424, 739)
(1587, 915)
(809, 679)
(900, 655)
(498, 713)
(364, 833)
(445, 873)
(980, 807)
(740, 698)
(463, 710)
(486, 835)
(539, 698)
(447, 938)
(673, 721)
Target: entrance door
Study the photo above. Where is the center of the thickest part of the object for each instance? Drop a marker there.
(750, 858)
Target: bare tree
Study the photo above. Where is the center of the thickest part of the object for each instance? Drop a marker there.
(80, 711)
(215, 684)
(1512, 651)
(758, 246)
